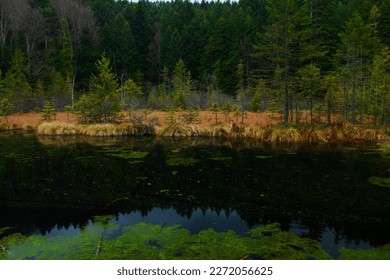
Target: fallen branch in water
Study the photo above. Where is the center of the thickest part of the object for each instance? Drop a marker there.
(99, 246)
(5, 250)
(114, 201)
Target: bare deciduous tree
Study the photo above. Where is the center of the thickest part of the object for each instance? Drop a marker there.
(79, 16)
(33, 29)
(10, 19)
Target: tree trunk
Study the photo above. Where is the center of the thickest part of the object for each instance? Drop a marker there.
(286, 99)
(329, 113)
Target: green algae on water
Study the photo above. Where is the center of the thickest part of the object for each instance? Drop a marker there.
(263, 157)
(147, 241)
(221, 158)
(379, 181)
(380, 253)
(178, 161)
(126, 153)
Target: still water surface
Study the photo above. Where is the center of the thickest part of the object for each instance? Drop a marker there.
(54, 186)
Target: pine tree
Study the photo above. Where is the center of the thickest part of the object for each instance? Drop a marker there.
(259, 94)
(286, 44)
(181, 83)
(309, 78)
(118, 41)
(380, 85)
(103, 102)
(49, 113)
(17, 87)
(130, 91)
(357, 49)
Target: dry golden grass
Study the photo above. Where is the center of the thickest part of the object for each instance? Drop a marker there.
(7, 126)
(94, 130)
(58, 128)
(255, 127)
(105, 130)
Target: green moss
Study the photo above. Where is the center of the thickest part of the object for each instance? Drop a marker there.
(379, 181)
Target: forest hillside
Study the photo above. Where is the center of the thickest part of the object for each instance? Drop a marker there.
(288, 56)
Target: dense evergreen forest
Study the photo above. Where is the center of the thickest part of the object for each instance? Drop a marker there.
(324, 56)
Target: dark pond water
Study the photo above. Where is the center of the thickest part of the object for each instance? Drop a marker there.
(54, 186)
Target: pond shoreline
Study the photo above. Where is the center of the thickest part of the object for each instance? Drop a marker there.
(345, 133)
(156, 124)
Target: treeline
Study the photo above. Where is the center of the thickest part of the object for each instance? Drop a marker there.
(101, 56)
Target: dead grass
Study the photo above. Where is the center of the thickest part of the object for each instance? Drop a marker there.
(94, 130)
(105, 130)
(59, 128)
(7, 126)
(260, 126)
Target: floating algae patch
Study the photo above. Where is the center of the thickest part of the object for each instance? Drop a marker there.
(272, 243)
(263, 157)
(126, 154)
(221, 158)
(180, 161)
(135, 162)
(380, 253)
(379, 181)
(75, 247)
(147, 241)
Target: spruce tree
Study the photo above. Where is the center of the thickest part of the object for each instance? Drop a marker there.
(103, 102)
(17, 87)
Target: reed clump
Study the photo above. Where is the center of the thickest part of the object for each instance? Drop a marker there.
(174, 130)
(106, 130)
(28, 127)
(58, 128)
(94, 130)
(7, 126)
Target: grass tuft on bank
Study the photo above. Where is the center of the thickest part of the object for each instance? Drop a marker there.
(280, 134)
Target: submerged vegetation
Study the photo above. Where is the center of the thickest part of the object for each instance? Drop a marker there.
(107, 240)
(379, 181)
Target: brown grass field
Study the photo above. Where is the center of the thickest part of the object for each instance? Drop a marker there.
(205, 118)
